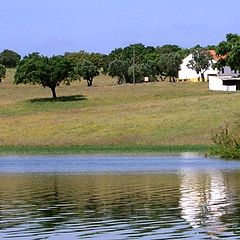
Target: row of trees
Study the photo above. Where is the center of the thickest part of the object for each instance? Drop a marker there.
(52, 71)
(156, 63)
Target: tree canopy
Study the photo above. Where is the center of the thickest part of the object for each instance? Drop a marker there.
(9, 58)
(119, 68)
(47, 72)
(172, 65)
(126, 54)
(87, 70)
(201, 61)
(149, 62)
(229, 52)
(2, 72)
(98, 59)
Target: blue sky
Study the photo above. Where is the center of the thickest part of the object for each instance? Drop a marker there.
(56, 26)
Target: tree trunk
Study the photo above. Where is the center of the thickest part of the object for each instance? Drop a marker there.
(53, 89)
(119, 81)
(202, 77)
(89, 82)
(124, 80)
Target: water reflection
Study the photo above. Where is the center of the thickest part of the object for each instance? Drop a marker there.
(205, 201)
(87, 205)
(120, 206)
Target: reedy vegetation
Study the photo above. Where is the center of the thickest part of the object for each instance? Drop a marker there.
(227, 140)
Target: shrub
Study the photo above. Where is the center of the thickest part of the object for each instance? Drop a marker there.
(227, 143)
(2, 72)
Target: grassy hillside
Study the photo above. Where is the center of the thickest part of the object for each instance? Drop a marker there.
(110, 114)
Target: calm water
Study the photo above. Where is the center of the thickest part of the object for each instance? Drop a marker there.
(184, 197)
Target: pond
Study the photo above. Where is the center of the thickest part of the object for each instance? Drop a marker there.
(119, 197)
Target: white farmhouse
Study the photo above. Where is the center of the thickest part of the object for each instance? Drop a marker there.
(187, 74)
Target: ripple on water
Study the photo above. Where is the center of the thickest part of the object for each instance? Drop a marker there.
(155, 205)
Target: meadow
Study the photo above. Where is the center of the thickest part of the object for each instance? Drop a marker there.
(108, 114)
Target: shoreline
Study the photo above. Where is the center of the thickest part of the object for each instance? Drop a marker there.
(105, 149)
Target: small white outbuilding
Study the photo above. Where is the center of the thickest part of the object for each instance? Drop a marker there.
(220, 83)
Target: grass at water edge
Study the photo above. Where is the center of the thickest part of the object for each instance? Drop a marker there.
(74, 150)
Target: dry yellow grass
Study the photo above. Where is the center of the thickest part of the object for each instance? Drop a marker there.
(111, 114)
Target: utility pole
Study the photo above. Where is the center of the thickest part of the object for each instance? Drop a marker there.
(134, 80)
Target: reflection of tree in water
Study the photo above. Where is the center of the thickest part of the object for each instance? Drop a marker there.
(145, 203)
(56, 200)
(38, 201)
(50, 209)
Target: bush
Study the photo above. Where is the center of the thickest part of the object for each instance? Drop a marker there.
(2, 72)
(227, 143)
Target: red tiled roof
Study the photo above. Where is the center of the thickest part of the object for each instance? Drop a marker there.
(215, 56)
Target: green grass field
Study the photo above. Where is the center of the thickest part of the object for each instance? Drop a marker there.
(107, 114)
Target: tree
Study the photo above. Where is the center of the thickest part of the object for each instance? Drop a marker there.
(169, 65)
(87, 70)
(201, 61)
(166, 61)
(126, 54)
(166, 49)
(99, 60)
(9, 58)
(150, 69)
(2, 72)
(119, 68)
(229, 52)
(138, 70)
(173, 63)
(48, 72)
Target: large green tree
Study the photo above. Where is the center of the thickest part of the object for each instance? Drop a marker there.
(119, 68)
(151, 70)
(229, 52)
(45, 71)
(2, 72)
(126, 54)
(87, 70)
(169, 65)
(167, 60)
(98, 59)
(173, 63)
(137, 71)
(9, 58)
(201, 61)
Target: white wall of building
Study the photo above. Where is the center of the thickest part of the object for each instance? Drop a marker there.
(216, 84)
(186, 73)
